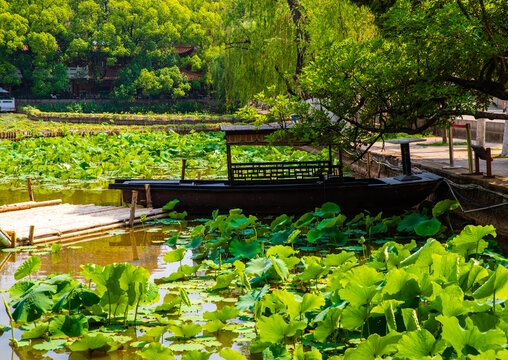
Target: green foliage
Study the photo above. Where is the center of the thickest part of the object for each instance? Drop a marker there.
(31, 265)
(392, 300)
(129, 154)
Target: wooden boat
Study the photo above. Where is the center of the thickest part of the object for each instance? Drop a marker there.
(282, 187)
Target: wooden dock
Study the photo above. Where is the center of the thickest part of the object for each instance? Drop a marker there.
(55, 223)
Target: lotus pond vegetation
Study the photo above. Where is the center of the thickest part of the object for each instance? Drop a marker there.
(322, 285)
(74, 159)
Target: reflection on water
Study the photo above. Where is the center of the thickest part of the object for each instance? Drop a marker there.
(10, 194)
(137, 247)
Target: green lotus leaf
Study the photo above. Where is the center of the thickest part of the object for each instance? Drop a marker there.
(331, 223)
(470, 240)
(37, 301)
(409, 222)
(308, 303)
(229, 354)
(401, 284)
(19, 288)
(449, 301)
(327, 210)
(304, 220)
(299, 354)
(443, 206)
(155, 350)
(274, 328)
(445, 268)
(313, 271)
(314, 235)
(224, 314)
(423, 257)
(171, 241)
(328, 325)
(281, 222)
(410, 318)
(293, 236)
(224, 280)
(244, 250)
(29, 266)
(281, 251)
(186, 347)
(353, 317)
(184, 296)
(374, 347)
(175, 255)
(338, 259)
(170, 205)
(470, 337)
(196, 355)
(95, 341)
(280, 268)
(185, 331)
(214, 326)
(362, 285)
(156, 332)
(419, 344)
(428, 227)
(50, 345)
(35, 333)
(68, 325)
(496, 284)
(247, 301)
(276, 352)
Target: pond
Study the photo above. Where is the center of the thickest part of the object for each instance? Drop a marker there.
(141, 248)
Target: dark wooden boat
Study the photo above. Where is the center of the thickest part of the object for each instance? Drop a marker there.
(282, 187)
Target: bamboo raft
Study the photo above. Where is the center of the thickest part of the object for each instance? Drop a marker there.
(53, 221)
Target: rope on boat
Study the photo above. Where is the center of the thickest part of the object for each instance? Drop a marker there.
(451, 185)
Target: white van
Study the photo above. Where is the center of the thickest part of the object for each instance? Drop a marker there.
(6, 102)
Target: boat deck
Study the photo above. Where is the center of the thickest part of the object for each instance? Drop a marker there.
(63, 221)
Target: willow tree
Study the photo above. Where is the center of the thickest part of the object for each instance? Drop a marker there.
(269, 42)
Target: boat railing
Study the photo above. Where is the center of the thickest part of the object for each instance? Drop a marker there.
(290, 170)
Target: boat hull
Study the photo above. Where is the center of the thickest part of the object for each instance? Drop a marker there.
(353, 195)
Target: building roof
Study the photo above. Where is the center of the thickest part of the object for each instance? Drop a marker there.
(181, 50)
(191, 75)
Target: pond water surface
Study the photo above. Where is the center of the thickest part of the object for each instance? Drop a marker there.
(142, 247)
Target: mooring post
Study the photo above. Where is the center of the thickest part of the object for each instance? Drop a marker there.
(368, 164)
(148, 196)
(469, 149)
(184, 161)
(13, 239)
(30, 190)
(450, 146)
(488, 164)
(31, 235)
(134, 200)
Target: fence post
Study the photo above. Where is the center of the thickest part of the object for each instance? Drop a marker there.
(480, 132)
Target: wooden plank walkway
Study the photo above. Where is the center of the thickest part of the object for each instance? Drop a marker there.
(53, 223)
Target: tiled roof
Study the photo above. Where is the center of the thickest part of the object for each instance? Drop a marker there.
(183, 49)
(191, 75)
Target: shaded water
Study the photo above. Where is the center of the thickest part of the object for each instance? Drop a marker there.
(142, 247)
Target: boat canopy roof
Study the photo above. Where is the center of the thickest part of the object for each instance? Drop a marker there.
(256, 135)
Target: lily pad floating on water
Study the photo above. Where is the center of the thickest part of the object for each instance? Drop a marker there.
(117, 232)
(186, 347)
(50, 345)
